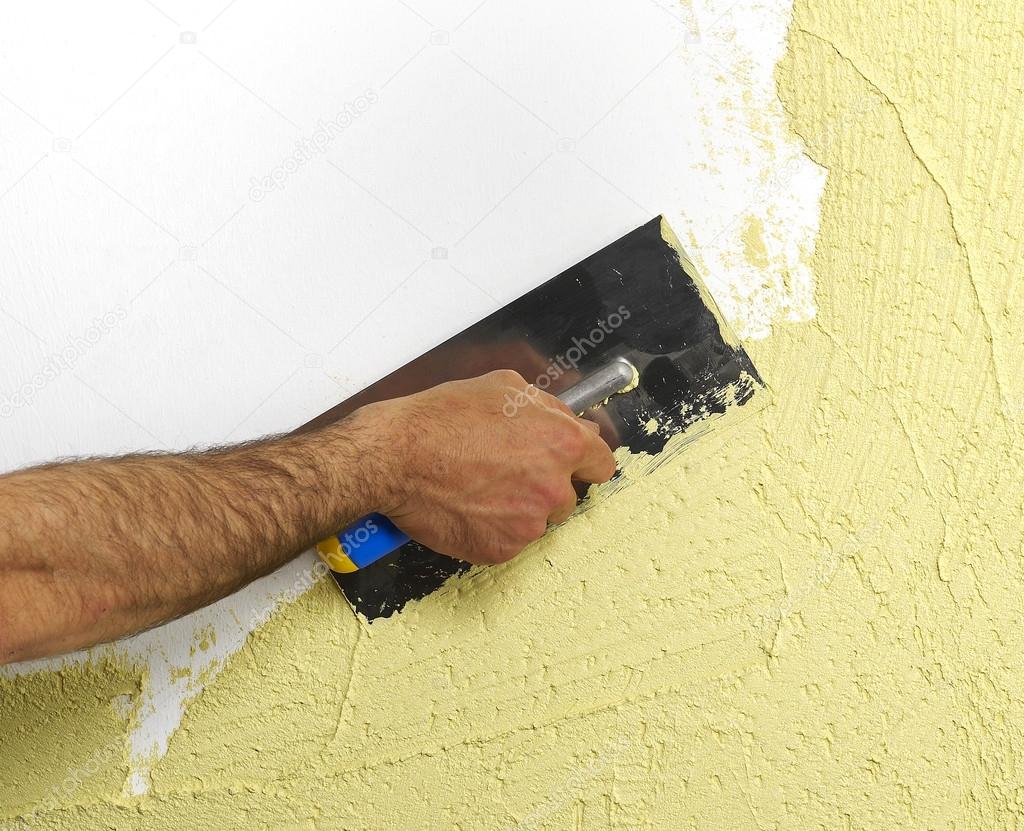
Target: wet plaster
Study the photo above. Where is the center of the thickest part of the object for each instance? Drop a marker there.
(809, 619)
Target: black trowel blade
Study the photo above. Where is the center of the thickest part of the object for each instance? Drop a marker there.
(638, 298)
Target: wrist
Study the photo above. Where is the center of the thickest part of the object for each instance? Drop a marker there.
(360, 462)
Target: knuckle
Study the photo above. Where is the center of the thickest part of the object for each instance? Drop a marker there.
(612, 467)
(550, 494)
(552, 402)
(509, 377)
(570, 497)
(571, 443)
(563, 508)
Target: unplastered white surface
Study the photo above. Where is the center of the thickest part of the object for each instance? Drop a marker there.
(156, 292)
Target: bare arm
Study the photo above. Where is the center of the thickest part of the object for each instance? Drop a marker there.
(92, 550)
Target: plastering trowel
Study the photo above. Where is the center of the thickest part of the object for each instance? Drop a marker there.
(631, 330)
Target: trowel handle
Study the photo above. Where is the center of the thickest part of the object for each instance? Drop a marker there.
(361, 543)
(616, 376)
(375, 536)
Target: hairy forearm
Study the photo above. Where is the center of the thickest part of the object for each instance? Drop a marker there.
(95, 549)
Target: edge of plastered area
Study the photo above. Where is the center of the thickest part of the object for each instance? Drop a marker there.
(632, 467)
(706, 297)
(150, 730)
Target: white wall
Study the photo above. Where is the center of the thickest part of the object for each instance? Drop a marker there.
(155, 294)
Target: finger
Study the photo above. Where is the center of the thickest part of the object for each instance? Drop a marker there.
(552, 403)
(598, 464)
(596, 420)
(508, 378)
(563, 510)
(606, 425)
(546, 399)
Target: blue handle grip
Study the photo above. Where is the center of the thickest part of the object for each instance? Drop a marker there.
(371, 538)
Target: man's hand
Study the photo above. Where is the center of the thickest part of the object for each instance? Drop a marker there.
(470, 477)
(96, 549)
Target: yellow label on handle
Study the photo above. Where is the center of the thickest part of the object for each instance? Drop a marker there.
(333, 554)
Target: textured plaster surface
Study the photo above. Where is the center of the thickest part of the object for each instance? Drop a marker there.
(216, 223)
(811, 619)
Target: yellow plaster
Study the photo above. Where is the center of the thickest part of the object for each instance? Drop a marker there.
(811, 619)
(753, 242)
(63, 735)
